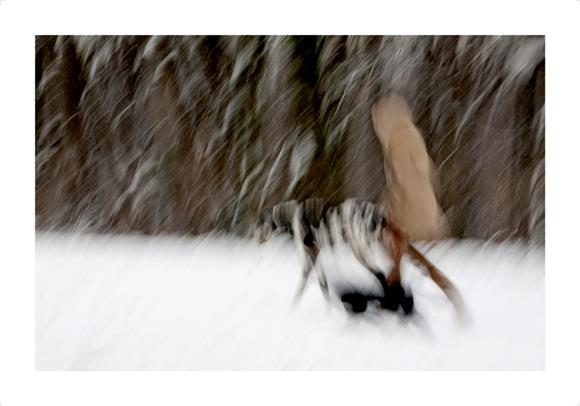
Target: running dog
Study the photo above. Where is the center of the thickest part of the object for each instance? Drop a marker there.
(313, 224)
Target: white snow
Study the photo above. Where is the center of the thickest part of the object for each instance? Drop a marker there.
(223, 303)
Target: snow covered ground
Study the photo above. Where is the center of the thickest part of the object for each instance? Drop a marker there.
(223, 303)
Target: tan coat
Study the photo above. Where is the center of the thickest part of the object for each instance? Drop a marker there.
(411, 202)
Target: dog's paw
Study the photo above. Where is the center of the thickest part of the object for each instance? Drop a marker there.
(354, 302)
(408, 304)
(389, 302)
(395, 296)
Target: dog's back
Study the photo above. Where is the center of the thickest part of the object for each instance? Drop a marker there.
(315, 220)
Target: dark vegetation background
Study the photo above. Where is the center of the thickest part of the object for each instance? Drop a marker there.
(192, 134)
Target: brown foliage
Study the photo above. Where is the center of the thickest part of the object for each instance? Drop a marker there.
(191, 134)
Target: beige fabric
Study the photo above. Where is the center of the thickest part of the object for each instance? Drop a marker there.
(411, 203)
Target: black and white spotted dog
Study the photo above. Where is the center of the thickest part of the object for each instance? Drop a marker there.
(314, 225)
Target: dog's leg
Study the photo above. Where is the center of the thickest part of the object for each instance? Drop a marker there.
(311, 252)
(441, 280)
(394, 294)
(323, 283)
(395, 245)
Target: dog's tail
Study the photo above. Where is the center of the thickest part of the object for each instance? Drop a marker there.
(388, 113)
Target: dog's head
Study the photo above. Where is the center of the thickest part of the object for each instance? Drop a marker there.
(278, 220)
(265, 228)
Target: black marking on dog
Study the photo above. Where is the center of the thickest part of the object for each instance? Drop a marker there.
(395, 296)
(392, 298)
(355, 302)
